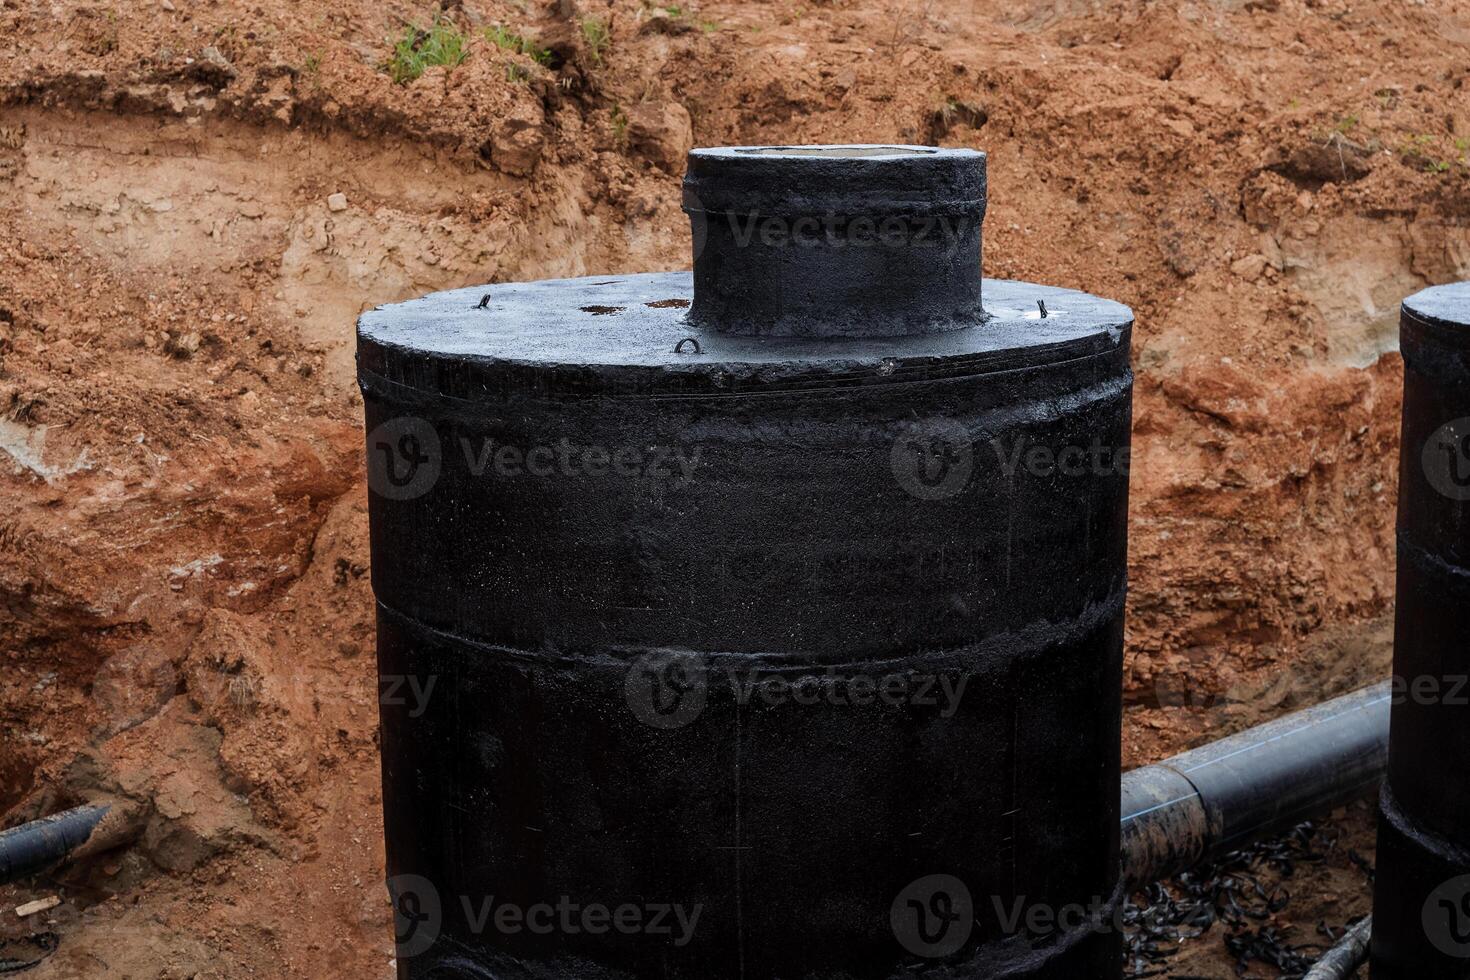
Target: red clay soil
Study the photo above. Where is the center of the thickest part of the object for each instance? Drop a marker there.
(198, 196)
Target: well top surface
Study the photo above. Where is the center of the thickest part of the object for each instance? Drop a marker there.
(849, 180)
(612, 325)
(1448, 305)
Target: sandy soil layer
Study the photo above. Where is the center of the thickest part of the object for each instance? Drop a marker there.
(198, 196)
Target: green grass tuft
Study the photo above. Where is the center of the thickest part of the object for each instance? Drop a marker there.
(597, 35)
(419, 49)
(505, 38)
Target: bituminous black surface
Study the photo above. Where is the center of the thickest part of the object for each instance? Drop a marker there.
(1196, 805)
(858, 241)
(40, 844)
(805, 513)
(1421, 920)
(794, 473)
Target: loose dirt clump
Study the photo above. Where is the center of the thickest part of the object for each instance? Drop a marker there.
(197, 199)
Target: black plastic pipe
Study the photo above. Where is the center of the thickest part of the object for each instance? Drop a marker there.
(42, 843)
(1421, 906)
(1213, 799)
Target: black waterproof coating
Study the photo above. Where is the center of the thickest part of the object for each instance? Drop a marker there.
(1421, 902)
(740, 648)
(33, 847)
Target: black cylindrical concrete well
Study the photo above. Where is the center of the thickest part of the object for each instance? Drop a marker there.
(764, 623)
(1421, 904)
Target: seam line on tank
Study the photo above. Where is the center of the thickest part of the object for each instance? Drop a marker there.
(372, 382)
(1093, 617)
